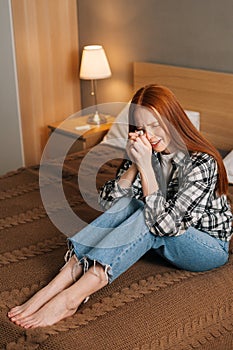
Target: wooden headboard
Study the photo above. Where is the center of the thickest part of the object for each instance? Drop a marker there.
(207, 92)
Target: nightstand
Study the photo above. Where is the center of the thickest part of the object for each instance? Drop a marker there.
(84, 135)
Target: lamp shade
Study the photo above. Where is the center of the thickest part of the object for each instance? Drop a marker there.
(94, 63)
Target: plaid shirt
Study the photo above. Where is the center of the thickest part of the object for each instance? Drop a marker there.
(189, 199)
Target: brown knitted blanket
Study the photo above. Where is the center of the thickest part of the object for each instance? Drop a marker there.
(151, 306)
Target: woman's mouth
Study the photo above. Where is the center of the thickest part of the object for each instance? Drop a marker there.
(155, 143)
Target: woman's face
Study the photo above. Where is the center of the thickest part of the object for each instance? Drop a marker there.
(145, 120)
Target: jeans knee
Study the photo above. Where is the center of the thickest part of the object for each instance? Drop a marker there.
(194, 251)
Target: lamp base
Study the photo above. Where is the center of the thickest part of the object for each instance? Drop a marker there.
(96, 119)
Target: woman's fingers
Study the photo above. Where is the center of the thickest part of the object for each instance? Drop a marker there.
(129, 148)
(133, 136)
(141, 142)
(137, 145)
(139, 148)
(145, 141)
(130, 143)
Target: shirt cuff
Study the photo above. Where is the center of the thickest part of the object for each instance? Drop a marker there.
(123, 191)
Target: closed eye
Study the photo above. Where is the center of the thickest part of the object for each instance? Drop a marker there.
(154, 125)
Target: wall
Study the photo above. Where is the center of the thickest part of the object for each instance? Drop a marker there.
(46, 45)
(188, 33)
(39, 81)
(11, 153)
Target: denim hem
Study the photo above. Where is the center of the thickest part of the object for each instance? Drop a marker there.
(86, 261)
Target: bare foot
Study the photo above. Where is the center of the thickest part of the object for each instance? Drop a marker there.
(55, 310)
(58, 284)
(31, 306)
(63, 304)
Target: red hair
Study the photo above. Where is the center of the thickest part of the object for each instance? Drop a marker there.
(162, 100)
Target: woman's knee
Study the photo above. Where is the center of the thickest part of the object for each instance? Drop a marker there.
(126, 203)
(194, 251)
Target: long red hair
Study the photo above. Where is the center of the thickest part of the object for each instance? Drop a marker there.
(161, 99)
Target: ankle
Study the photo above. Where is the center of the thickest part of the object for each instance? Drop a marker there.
(99, 271)
(72, 301)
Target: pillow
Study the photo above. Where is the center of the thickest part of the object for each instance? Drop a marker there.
(194, 118)
(228, 162)
(118, 133)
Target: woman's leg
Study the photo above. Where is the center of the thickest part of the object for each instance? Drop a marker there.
(66, 303)
(60, 282)
(121, 247)
(97, 230)
(194, 250)
(118, 215)
(116, 260)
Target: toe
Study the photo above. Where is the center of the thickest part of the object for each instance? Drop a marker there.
(13, 312)
(16, 318)
(26, 323)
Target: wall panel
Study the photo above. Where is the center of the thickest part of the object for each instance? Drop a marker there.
(46, 42)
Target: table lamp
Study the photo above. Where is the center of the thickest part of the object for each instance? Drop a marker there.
(94, 65)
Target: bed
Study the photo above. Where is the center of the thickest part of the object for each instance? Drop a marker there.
(152, 305)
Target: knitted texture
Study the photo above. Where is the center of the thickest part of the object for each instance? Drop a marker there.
(152, 306)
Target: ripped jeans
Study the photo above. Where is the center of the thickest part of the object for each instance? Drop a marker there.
(119, 237)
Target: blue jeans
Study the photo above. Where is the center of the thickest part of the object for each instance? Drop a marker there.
(119, 237)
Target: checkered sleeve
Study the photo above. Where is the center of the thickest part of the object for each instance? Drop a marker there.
(171, 217)
(111, 191)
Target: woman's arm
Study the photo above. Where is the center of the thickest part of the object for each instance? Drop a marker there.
(139, 150)
(127, 179)
(115, 189)
(149, 183)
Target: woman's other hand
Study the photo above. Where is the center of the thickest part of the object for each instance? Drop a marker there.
(139, 150)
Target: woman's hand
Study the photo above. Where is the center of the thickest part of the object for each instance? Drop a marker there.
(139, 150)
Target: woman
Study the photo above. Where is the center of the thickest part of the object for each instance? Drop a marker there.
(170, 195)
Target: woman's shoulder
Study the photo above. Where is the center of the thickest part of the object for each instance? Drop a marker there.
(201, 157)
(204, 161)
